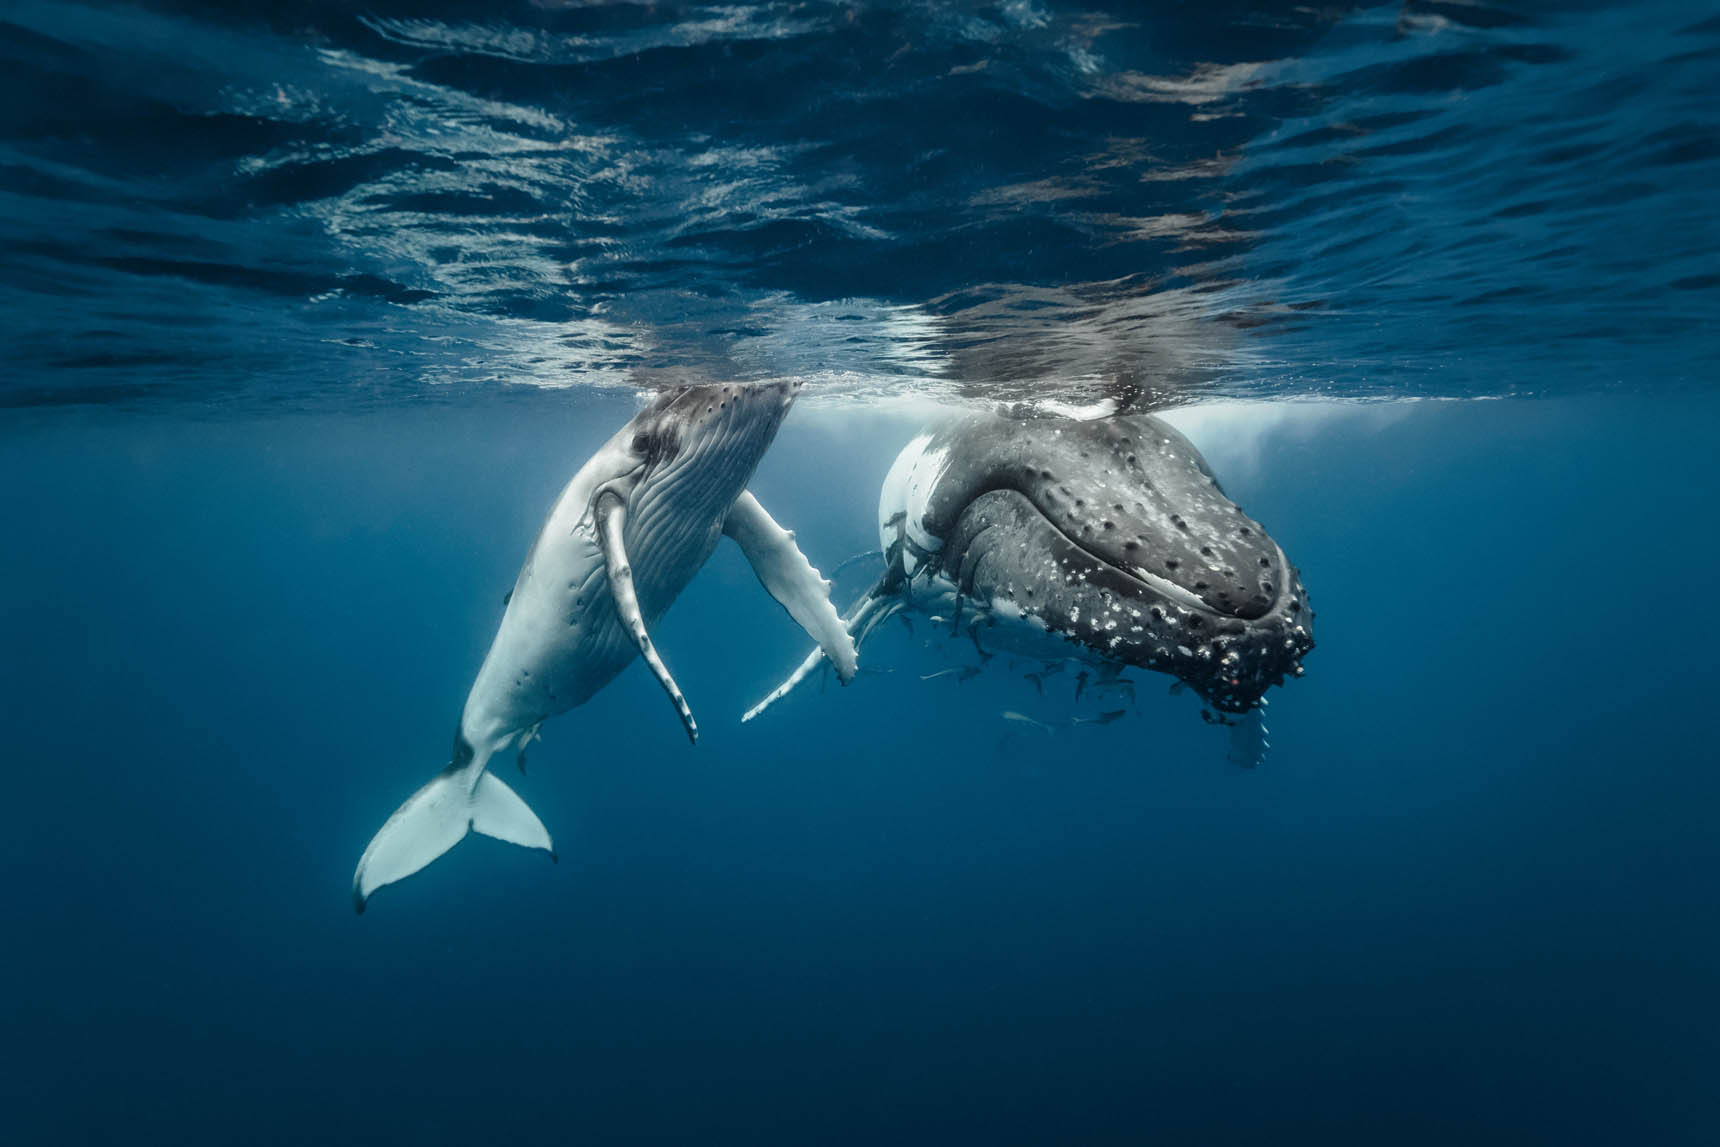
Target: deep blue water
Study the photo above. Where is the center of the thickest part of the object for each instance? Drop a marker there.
(309, 315)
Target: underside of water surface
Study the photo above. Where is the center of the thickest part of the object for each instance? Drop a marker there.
(321, 206)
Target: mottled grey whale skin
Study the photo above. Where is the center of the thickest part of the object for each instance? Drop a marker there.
(1112, 534)
(1107, 541)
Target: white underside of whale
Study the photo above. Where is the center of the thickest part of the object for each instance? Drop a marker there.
(609, 561)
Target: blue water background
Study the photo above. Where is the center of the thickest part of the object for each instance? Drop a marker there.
(1467, 899)
(309, 313)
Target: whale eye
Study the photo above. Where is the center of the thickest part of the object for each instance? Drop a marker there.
(656, 444)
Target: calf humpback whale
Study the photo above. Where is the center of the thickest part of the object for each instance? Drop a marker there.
(1107, 541)
(623, 539)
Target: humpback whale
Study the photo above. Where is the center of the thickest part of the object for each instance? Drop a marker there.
(1105, 541)
(621, 542)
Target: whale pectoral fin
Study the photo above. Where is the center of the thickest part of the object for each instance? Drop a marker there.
(813, 661)
(611, 514)
(874, 606)
(792, 580)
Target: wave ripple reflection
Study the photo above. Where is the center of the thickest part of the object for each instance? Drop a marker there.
(326, 206)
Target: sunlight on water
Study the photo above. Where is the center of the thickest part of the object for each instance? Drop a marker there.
(973, 202)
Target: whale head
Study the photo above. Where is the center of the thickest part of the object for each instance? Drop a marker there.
(1112, 534)
(697, 446)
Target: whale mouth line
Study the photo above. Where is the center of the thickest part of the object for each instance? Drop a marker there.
(1162, 586)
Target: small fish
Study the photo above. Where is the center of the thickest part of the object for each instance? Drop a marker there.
(1012, 715)
(1081, 680)
(1111, 677)
(1101, 719)
(860, 557)
(1046, 669)
(962, 673)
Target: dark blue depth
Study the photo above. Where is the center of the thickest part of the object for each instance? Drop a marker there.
(1464, 900)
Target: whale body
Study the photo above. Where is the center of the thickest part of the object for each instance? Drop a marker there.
(624, 538)
(1106, 541)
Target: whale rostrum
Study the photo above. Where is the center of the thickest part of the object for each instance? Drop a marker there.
(624, 538)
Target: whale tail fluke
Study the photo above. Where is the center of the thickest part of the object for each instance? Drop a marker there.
(436, 818)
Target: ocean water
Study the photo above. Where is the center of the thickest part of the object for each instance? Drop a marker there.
(310, 312)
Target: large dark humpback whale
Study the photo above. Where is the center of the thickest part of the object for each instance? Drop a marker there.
(625, 537)
(1106, 541)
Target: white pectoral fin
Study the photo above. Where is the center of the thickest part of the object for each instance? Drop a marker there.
(792, 580)
(874, 607)
(611, 515)
(436, 818)
(813, 660)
